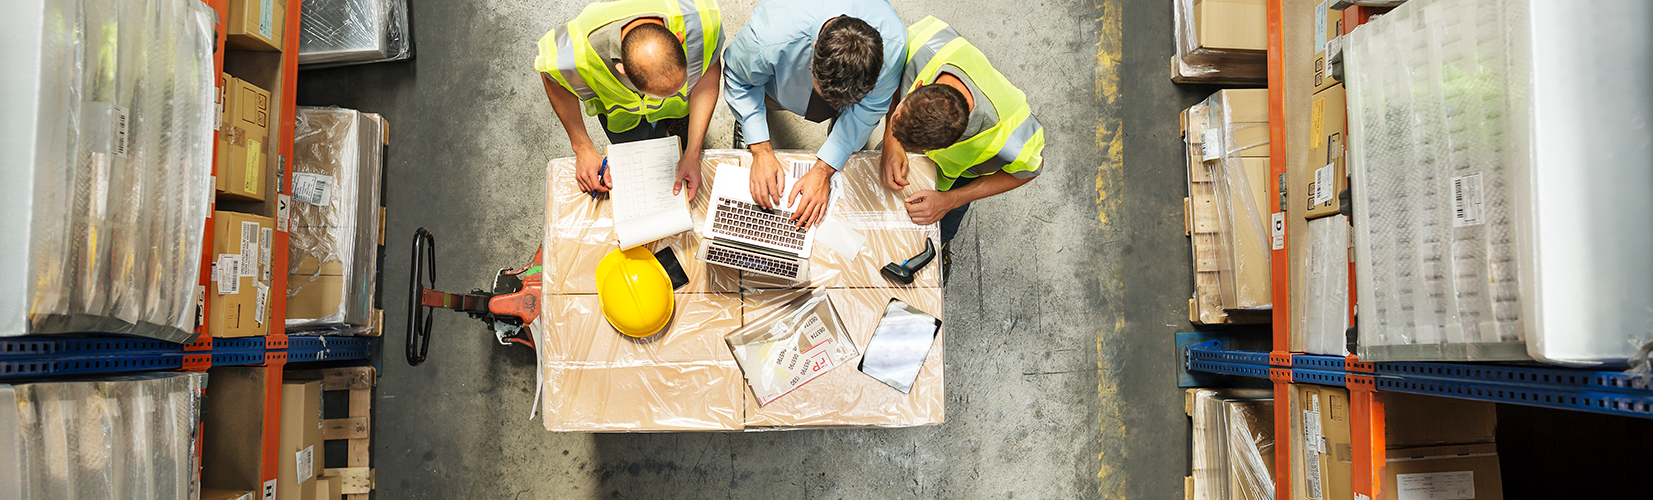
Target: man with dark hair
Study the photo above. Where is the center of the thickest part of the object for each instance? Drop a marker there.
(967, 117)
(637, 65)
(820, 59)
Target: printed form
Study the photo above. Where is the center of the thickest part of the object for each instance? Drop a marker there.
(644, 207)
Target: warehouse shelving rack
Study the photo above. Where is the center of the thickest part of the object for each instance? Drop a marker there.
(1605, 392)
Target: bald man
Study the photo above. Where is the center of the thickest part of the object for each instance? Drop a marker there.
(646, 69)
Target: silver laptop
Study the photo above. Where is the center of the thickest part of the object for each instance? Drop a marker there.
(744, 236)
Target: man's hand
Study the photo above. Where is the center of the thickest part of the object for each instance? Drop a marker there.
(586, 166)
(811, 194)
(766, 182)
(894, 169)
(688, 174)
(927, 207)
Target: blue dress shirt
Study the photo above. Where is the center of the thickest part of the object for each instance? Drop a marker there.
(771, 56)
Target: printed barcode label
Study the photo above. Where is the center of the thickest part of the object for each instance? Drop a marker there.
(1211, 144)
(118, 128)
(1455, 485)
(814, 330)
(263, 298)
(1311, 462)
(266, 17)
(315, 189)
(229, 274)
(249, 249)
(1324, 184)
(264, 237)
(1467, 207)
(801, 167)
(1311, 430)
(304, 461)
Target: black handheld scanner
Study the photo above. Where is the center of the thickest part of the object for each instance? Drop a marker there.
(903, 273)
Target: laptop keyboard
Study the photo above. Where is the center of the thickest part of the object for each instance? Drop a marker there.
(753, 222)
(752, 261)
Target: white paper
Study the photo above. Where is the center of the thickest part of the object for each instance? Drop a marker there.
(263, 299)
(229, 274)
(840, 238)
(1211, 144)
(1279, 230)
(644, 207)
(1324, 184)
(265, 235)
(249, 249)
(1455, 485)
(305, 462)
(1467, 203)
(315, 189)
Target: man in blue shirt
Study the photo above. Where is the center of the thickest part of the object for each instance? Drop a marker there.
(820, 59)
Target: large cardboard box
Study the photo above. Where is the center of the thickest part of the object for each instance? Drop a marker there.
(1328, 128)
(217, 494)
(299, 457)
(257, 25)
(1415, 421)
(232, 440)
(1337, 450)
(243, 146)
(1465, 472)
(335, 220)
(1231, 24)
(240, 285)
(1308, 438)
(1328, 30)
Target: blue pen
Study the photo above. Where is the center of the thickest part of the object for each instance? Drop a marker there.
(600, 171)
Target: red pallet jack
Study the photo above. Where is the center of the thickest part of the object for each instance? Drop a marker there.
(512, 304)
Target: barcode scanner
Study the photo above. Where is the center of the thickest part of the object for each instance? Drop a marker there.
(903, 273)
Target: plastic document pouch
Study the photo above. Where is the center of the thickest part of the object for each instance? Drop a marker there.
(791, 346)
(899, 345)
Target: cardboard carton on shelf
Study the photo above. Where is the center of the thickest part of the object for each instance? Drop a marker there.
(217, 494)
(243, 141)
(240, 285)
(1328, 129)
(233, 435)
(1327, 40)
(258, 25)
(1220, 41)
(299, 463)
(1465, 472)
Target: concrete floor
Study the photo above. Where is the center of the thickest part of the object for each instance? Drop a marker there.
(1060, 362)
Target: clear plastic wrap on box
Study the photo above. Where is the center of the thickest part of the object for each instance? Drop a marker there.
(124, 437)
(1227, 138)
(340, 32)
(1325, 317)
(334, 226)
(686, 378)
(1233, 444)
(1432, 149)
(110, 107)
(1218, 65)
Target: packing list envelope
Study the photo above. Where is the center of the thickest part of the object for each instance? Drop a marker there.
(794, 345)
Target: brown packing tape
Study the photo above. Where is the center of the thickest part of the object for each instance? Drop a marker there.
(683, 378)
(844, 396)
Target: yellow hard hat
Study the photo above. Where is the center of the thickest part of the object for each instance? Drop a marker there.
(635, 292)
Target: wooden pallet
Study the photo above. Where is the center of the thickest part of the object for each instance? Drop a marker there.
(1200, 224)
(357, 478)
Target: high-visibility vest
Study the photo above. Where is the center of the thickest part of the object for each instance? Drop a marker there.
(566, 54)
(1013, 145)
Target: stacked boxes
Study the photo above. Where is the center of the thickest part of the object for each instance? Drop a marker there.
(335, 218)
(243, 146)
(1220, 41)
(240, 275)
(300, 467)
(257, 25)
(1228, 166)
(1233, 444)
(686, 378)
(1435, 446)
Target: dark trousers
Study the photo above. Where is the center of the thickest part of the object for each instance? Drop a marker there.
(950, 222)
(650, 130)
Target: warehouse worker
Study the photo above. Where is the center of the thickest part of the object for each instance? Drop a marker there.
(820, 59)
(967, 117)
(646, 68)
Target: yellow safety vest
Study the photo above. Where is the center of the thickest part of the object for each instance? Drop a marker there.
(566, 54)
(1013, 145)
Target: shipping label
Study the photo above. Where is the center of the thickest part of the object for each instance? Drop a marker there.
(249, 249)
(1456, 485)
(315, 189)
(1467, 202)
(265, 236)
(229, 274)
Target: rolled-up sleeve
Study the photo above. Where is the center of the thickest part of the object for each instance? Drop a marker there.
(856, 123)
(744, 73)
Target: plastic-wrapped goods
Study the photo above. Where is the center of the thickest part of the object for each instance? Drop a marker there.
(1500, 166)
(1324, 320)
(1233, 444)
(1586, 279)
(1227, 139)
(686, 377)
(340, 32)
(338, 156)
(108, 109)
(1220, 41)
(124, 437)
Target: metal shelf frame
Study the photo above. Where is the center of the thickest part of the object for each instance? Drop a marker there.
(35, 357)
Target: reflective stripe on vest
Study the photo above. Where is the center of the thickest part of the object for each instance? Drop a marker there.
(570, 59)
(1012, 145)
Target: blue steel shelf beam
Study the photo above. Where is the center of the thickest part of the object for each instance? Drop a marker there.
(51, 356)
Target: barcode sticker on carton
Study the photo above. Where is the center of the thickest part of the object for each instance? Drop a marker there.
(1211, 144)
(1324, 184)
(118, 130)
(801, 167)
(1467, 203)
(249, 249)
(266, 18)
(305, 463)
(1455, 485)
(315, 189)
(263, 299)
(229, 274)
(265, 235)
